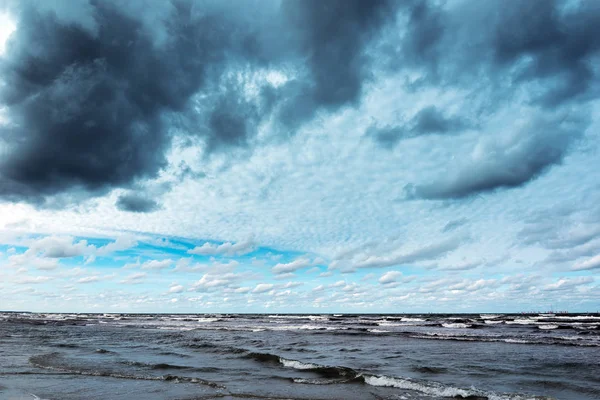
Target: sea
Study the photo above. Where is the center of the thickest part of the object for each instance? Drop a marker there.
(333, 356)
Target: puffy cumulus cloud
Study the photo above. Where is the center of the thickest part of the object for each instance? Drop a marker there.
(157, 264)
(293, 266)
(175, 288)
(227, 248)
(122, 242)
(471, 286)
(263, 288)
(569, 283)
(591, 263)
(395, 257)
(221, 276)
(60, 247)
(45, 253)
(29, 260)
(33, 280)
(89, 279)
(390, 277)
(135, 278)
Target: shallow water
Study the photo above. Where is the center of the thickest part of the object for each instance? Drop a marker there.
(86, 356)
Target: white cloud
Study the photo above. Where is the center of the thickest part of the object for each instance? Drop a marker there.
(293, 266)
(31, 260)
(122, 242)
(591, 263)
(34, 279)
(60, 247)
(135, 278)
(89, 279)
(7, 27)
(390, 277)
(263, 287)
(215, 280)
(227, 249)
(423, 253)
(176, 289)
(569, 283)
(157, 264)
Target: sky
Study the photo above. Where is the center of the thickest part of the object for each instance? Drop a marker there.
(305, 156)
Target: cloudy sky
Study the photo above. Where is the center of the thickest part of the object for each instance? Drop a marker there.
(299, 156)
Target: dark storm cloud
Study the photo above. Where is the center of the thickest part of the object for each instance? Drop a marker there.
(543, 49)
(429, 120)
(134, 202)
(94, 87)
(558, 37)
(331, 36)
(544, 142)
(432, 120)
(90, 109)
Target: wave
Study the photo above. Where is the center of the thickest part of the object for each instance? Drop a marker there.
(155, 366)
(435, 389)
(406, 319)
(547, 327)
(542, 340)
(339, 374)
(48, 361)
(323, 371)
(456, 325)
(103, 351)
(490, 316)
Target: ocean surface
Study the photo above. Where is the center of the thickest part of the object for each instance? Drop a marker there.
(151, 357)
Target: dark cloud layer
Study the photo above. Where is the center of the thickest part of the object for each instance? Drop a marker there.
(95, 89)
(429, 120)
(92, 98)
(559, 39)
(90, 108)
(133, 202)
(543, 49)
(331, 37)
(544, 142)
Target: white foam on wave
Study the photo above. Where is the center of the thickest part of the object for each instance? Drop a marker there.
(439, 390)
(208, 319)
(548, 327)
(585, 326)
(456, 325)
(520, 341)
(429, 388)
(493, 322)
(297, 364)
(311, 317)
(527, 321)
(490, 316)
(378, 331)
(570, 337)
(412, 320)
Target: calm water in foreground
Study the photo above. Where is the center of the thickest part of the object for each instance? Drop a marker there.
(151, 357)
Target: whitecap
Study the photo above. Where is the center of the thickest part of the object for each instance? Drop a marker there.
(456, 325)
